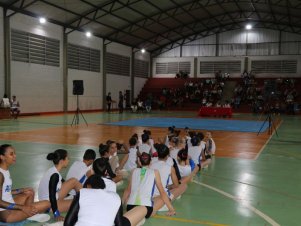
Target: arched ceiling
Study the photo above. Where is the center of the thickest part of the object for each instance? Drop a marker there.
(159, 25)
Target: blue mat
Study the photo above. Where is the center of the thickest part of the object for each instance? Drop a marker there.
(195, 123)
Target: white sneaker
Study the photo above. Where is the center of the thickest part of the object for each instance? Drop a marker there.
(163, 208)
(40, 217)
(141, 222)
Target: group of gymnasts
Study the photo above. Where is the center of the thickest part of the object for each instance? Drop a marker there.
(159, 173)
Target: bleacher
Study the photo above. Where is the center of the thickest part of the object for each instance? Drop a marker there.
(154, 87)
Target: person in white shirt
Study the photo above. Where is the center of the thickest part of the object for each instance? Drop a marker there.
(18, 204)
(167, 174)
(140, 191)
(81, 170)
(130, 159)
(52, 187)
(101, 167)
(210, 144)
(96, 206)
(5, 102)
(145, 146)
(15, 107)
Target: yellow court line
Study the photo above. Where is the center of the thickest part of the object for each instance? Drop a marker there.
(188, 221)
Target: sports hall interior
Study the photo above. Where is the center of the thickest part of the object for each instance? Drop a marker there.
(182, 55)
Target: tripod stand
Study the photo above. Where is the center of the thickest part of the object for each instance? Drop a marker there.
(271, 125)
(78, 112)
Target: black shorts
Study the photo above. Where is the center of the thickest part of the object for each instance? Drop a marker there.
(149, 209)
(207, 156)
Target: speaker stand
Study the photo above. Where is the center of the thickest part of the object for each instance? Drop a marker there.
(78, 112)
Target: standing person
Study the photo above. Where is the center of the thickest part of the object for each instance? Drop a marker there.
(210, 144)
(51, 186)
(81, 170)
(22, 205)
(120, 102)
(15, 107)
(109, 102)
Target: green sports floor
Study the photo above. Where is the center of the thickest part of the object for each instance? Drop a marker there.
(265, 191)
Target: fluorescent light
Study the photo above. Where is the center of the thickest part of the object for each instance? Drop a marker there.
(42, 20)
(88, 34)
(248, 26)
(142, 50)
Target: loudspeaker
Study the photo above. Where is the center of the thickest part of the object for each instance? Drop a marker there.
(78, 87)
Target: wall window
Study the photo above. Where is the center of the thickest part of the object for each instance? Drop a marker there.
(83, 58)
(31, 48)
(117, 64)
(173, 67)
(209, 67)
(141, 68)
(274, 66)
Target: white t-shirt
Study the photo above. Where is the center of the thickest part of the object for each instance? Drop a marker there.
(6, 187)
(97, 207)
(195, 152)
(43, 190)
(131, 162)
(144, 148)
(184, 170)
(174, 153)
(110, 185)
(142, 187)
(78, 171)
(165, 174)
(5, 102)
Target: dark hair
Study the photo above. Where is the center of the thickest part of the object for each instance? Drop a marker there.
(171, 129)
(95, 181)
(100, 166)
(148, 132)
(103, 149)
(89, 154)
(200, 135)
(191, 133)
(5, 96)
(175, 140)
(3, 148)
(145, 159)
(195, 141)
(132, 141)
(162, 150)
(57, 155)
(144, 137)
(135, 135)
(110, 142)
(183, 154)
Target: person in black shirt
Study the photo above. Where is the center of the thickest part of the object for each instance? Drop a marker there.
(120, 102)
(109, 101)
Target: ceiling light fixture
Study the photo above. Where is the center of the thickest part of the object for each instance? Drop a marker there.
(142, 50)
(42, 20)
(248, 26)
(88, 34)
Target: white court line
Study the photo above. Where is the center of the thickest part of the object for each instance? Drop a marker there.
(240, 201)
(266, 143)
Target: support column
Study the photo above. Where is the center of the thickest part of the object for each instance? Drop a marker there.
(280, 40)
(7, 58)
(181, 50)
(151, 62)
(195, 68)
(217, 44)
(104, 75)
(65, 71)
(132, 75)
